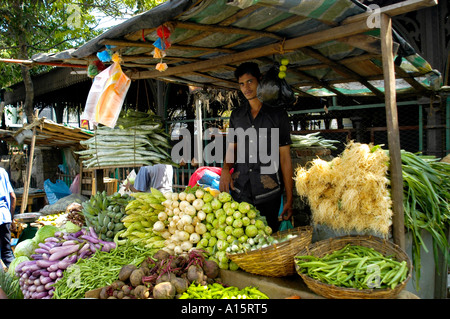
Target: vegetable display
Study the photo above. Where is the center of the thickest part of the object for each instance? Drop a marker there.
(350, 192)
(218, 291)
(195, 218)
(259, 241)
(137, 138)
(56, 219)
(141, 215)
(426, 198)
(312, 140)
(9, 285)
(104, 213)
(354, 266)
(100, 269)
(162, 276)
(38, 275)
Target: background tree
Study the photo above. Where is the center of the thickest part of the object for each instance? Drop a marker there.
(32, 26)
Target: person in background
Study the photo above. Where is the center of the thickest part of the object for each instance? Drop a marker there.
(7, 208)
(247, 182)
(159, 176)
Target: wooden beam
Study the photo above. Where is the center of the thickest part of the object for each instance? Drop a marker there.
(317, 82)
(26, 186)
(341, 69)
(234, 84)
(276, 48)
(421, 90)
(121, 43)
(224, 29)
(393, 9)
(367, 43)
(395, 165)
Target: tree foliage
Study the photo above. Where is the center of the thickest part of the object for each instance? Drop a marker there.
(33, 26)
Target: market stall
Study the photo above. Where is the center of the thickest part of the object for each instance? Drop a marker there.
(125, 230)
(42, 132)
(346, 44)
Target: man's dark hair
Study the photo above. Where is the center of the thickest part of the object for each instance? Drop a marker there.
(248, 67)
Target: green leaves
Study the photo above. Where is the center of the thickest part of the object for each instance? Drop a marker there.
(426, 204)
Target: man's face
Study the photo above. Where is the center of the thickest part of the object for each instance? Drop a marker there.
(248, 85)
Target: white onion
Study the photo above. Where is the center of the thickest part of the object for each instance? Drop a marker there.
(198, 204)
(186, 245)
(183, 204)
(194, 238)
(168, 195)
(186, 219)
(158, 226)
(182, 196)
(178, 250)
(183, 236)
(189, 228)
(190, 210)
(201, 215)
(162, 216)
(200, 228)
(190, 197)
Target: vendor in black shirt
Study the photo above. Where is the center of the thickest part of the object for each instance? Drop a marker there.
(261, 172)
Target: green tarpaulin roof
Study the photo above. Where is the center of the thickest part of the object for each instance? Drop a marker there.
(331, 45)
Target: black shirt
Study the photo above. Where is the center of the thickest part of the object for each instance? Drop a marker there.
(257, 177)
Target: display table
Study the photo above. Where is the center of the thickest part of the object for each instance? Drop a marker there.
(274, 288)
(31, 197)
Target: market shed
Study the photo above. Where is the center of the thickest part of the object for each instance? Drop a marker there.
(43, 132)
(334, 47)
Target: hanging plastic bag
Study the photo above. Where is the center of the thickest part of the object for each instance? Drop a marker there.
(75, 186)
(273, 90)
(106, 96)
(55, 191)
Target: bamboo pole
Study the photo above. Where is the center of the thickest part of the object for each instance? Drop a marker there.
(393, 130)
(29, 168)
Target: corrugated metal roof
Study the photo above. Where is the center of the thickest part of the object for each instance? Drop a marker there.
(325, 42)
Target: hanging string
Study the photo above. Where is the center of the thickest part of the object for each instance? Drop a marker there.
(281, 47)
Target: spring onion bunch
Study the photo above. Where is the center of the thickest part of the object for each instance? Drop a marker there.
(426, 183)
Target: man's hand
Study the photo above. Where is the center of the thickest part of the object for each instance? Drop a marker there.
(287, 212)
(13, 226)
(226, 182)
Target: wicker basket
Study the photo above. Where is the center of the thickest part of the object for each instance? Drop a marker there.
(276, 260)
(323, 247)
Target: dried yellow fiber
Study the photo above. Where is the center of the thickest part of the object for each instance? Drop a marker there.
(351, 191)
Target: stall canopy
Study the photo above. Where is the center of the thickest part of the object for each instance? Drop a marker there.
(333, 46)
(48, 133)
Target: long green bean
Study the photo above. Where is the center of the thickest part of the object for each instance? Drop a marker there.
(100, 270)
(354, 266)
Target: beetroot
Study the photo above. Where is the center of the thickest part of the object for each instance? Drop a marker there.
(164, 290)
(195, 274)
(211, 269)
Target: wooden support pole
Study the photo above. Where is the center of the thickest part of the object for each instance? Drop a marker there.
(393, 130)
(26, 187)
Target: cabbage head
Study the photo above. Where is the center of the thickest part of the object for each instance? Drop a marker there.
(45, 232)
(71, 227)
(15, 263)
(25, 248)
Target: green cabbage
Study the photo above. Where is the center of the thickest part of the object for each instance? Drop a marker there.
(71, 227)
(14, 263)
(25, 248)
(45, 232)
